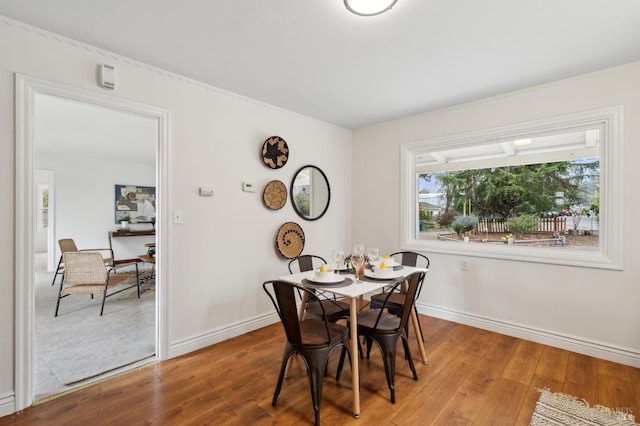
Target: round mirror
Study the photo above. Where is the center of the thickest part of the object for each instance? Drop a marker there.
(310, 193)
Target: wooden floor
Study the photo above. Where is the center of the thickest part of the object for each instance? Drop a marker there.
(474, 377)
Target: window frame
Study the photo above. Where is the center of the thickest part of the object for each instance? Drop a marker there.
(611, 223)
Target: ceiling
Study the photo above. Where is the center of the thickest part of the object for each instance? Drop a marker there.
(315, 58)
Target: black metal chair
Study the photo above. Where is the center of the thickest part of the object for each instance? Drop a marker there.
(384, 328)
(333, 308)
(396, 300)
(312, 339)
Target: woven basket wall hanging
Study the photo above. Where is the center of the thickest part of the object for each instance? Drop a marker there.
(275, 195)
(275, 152)
(290, 240)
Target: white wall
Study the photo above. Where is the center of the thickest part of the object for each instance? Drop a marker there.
(85, 200)
(587, 310)
(215, 140)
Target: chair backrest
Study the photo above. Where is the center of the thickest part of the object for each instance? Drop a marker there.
(414, 282)
(67, 244)
(84, 268)
(283, 297)
(304, 263)
(411, 258)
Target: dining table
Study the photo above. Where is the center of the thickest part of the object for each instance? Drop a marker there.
(354, 291)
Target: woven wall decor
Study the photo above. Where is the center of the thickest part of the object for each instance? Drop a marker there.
(275, 152)
(290, 240)
(275, 195)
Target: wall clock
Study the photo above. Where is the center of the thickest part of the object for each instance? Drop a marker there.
(275, 152)
(275, 195)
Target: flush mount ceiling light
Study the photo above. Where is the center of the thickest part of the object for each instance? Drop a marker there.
(369, 7)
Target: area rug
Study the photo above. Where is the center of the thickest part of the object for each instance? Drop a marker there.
(80, 344)
(561, 409)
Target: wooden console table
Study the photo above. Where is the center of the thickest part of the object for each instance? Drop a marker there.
(127, 233)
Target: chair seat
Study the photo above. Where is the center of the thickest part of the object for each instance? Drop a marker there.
(314, 332)
(395, 301)
(334, 309)
(114, 280)
(388, 322)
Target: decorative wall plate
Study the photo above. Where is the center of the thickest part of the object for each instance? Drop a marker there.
(275, 195)
(275, 152)
(290, 240)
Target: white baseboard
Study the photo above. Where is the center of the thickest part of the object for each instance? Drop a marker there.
(580, 345)
(7, 404)
(216, 336)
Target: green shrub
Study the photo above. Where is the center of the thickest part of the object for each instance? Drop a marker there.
(522, 224)
(463, 224)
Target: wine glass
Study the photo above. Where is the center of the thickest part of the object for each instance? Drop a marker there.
(357, 260)
(337, 255)
(358, 248)
(373, 255)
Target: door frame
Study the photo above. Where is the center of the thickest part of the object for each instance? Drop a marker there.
(26, 89)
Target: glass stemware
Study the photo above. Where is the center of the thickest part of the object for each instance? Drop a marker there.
(358, 248)
(357, 261)
(337, 256)
(373, 255)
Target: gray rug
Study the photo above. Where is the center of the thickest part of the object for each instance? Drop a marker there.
(80, 344)
(559, 409)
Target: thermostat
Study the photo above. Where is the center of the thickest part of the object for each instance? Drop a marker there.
(248, 187)
(206, 192)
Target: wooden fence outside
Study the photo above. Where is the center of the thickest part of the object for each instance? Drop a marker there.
(545, 224)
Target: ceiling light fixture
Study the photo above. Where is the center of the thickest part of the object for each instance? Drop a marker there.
(369, 7)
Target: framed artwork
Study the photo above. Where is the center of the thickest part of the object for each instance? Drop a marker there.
(136, 204)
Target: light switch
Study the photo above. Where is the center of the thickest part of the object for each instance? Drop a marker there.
(177, 216)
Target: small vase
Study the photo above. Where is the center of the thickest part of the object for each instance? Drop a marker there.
(124, 224)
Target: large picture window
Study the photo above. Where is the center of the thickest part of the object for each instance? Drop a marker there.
(546, 191)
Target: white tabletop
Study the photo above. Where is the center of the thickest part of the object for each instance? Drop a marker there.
(354, 289)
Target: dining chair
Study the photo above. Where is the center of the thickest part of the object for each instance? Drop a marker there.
(86, 273)
(384, 328)
(396, 300)
(312, 339)
(68, 244)
(333, 308)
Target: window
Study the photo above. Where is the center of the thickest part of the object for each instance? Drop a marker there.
(545, 191)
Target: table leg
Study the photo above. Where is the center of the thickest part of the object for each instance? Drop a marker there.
(355, 374)
(416, 327)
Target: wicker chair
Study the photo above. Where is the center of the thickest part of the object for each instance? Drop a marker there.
(396, 300)
(384, 328)
(333, 308)
(312, 339)
(66, 245)
(85, 273)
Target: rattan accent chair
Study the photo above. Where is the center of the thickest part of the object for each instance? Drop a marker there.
(313, 339)
(333, 308)
(86, 273)
(384, 328)
(396, 300)
(66, 245)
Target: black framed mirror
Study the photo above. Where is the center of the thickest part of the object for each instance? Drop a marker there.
(310, 192)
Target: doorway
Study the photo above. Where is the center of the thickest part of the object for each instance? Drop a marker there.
(92, 143)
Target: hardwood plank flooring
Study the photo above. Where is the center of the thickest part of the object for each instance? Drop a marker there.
(474, 377)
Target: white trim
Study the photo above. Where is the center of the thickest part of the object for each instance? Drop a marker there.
(7, 404)
(610, 255)
(220, 334)
(26, 88)
(622, 355)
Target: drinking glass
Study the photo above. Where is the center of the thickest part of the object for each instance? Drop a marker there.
(357, 260)
(373, 255)
(337, 256)
(358, 248)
